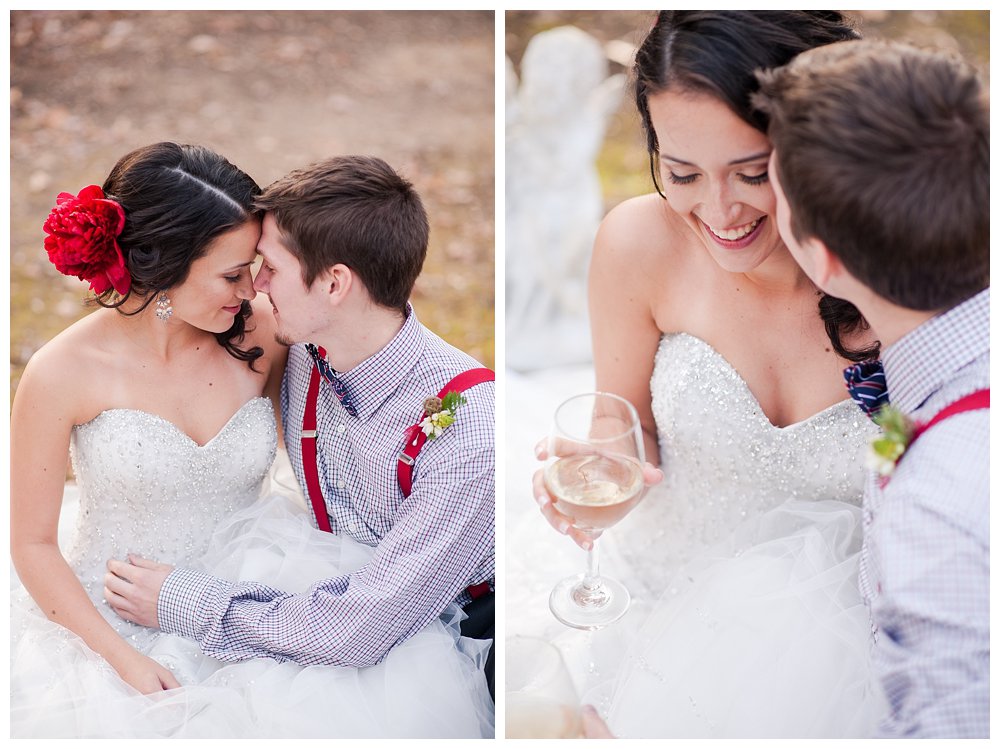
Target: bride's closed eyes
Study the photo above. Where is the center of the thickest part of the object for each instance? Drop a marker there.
(687, 179)
(235, 278)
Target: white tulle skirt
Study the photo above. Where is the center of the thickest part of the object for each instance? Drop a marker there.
(430, 686)
(765, 636)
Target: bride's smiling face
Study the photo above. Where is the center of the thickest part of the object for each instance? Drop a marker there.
(219, 281)
(713, 168)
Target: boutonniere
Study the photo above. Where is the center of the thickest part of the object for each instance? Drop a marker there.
(885, 450)
(441, 413)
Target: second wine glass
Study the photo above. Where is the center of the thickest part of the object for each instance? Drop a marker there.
(595, 479)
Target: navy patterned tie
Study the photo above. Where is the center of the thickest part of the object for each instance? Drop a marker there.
(330, 376)
(866, 384)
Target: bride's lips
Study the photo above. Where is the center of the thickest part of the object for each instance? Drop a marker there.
(233, 310)
(736, 244)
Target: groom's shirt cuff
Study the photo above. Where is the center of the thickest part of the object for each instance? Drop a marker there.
(179, 608)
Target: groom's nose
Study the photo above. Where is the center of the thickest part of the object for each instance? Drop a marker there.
(246, 288)
(261, 282)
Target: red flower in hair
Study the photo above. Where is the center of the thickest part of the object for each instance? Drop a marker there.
(82, 242)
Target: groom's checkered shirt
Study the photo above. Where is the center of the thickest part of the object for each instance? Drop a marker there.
(429, 546)
(925, 562)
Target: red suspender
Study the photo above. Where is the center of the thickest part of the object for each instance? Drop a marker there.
(971, 402)
(309, 452)
(461, 383)
(405, 463)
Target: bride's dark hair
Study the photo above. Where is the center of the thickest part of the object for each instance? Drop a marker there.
(177, 199)
(717, 53)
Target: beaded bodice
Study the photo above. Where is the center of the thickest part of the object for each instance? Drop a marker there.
(147, 487)
(724, 461)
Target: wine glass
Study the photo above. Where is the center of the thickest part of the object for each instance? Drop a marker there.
(541, 702)
(595, 480)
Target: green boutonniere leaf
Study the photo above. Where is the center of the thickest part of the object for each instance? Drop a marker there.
(885, 450)
(452, 400)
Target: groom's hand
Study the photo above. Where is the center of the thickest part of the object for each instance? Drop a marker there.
(132, 588)
(650, 475)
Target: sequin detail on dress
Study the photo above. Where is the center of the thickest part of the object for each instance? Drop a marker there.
(147, 487)
(724, 462)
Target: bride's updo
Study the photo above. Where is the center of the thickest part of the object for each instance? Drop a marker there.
(177, 199)
(717, 53)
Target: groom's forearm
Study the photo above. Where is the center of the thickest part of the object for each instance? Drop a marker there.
(240, 621)
(234, 621)
(342, 621)
(441, 542)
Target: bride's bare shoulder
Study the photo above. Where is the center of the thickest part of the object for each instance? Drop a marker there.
(643, 233)
(86, 342)
(65, 368)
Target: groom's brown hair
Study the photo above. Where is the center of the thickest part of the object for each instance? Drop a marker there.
(358, 211)
(883, 155)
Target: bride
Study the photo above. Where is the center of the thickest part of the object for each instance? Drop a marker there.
(163, 400)
(743, 559)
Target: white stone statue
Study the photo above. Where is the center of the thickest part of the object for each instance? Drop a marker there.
(556, 117)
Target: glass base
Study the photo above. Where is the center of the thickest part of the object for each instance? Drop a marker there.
(576, 605)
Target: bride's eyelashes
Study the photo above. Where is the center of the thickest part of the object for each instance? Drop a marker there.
(755, 179)
(236, 277)
(679, 180)
(687, 179)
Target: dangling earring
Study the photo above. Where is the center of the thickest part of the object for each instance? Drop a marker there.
(163, 308)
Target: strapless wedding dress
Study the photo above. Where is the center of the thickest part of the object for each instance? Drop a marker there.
(752, 543)
(746, 618)
(146, 487)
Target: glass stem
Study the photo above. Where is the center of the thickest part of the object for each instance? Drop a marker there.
(592, 579)
(590, 593)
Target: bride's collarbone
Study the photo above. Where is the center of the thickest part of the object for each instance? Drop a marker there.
(190, 382)
(198, 400)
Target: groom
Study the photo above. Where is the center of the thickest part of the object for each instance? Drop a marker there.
(881, 171)
(342, 244)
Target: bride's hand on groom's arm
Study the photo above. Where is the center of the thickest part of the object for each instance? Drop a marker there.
(651, 475)
(132, 588)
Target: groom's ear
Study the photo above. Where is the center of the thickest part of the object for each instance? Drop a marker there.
(828, 270)
(338, 280)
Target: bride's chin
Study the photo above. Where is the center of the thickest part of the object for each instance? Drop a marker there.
(217, 328)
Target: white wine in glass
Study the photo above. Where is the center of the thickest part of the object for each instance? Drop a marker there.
(595, 480)
(595, 490)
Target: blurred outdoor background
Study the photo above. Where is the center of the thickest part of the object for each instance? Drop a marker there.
(272, 91)
(623, 165)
